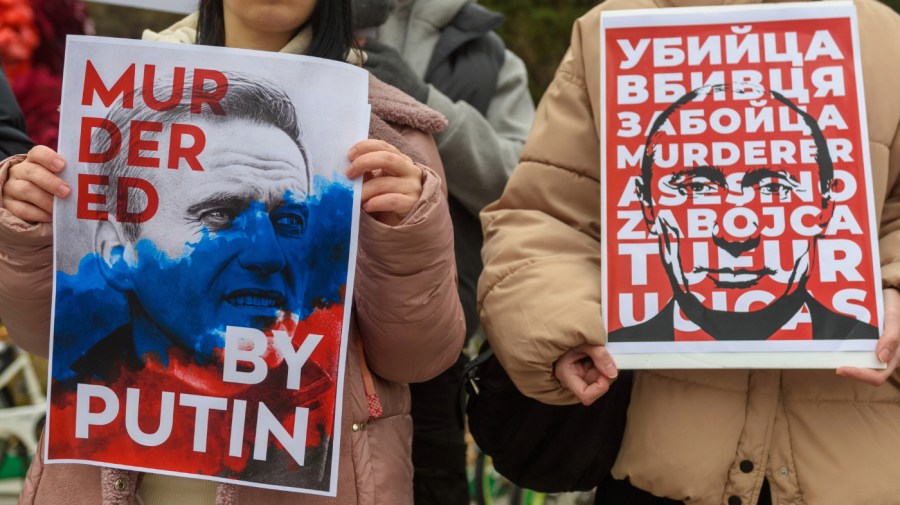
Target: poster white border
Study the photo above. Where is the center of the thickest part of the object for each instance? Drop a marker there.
(741, 354)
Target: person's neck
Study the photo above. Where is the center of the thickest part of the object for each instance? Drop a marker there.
(241, 36)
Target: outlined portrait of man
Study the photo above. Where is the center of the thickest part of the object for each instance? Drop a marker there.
(739, 221)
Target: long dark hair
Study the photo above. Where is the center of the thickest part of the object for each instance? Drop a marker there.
(332, 32)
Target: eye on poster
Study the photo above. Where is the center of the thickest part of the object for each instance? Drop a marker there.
(739, 228)
(204, 262)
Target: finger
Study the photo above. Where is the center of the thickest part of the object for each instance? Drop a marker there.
(571, 380)
(595, 390)
(369, 146)
(26, 211)
(890, 339)
(575, 371)
(384, 185)
(591, 374)
(41, 177)
(602, 360)
(391, 163)
(590, 391)
(47, 158)
(391, 202)
(571, 358)
(28, 192)
(587, 392)
(869, 376)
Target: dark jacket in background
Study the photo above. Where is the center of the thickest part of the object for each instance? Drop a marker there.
(13, 139)
(482, 89)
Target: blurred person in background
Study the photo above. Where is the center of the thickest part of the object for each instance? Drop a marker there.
(445, 54)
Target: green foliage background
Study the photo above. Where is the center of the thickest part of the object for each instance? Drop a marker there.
(127, 22)
(536, 30)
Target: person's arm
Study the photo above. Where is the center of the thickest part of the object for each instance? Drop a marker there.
(540, 293)
(13, 139)
(481, 151)
(889, 250)
(405, 295)
(26, 272)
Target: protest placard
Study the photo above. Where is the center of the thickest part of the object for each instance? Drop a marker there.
(737, 206)
(204, 262)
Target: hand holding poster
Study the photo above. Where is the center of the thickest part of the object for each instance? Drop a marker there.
(204, 266)
(738, 219)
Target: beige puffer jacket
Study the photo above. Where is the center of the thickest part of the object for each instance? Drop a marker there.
(405, 310)
(818, 439)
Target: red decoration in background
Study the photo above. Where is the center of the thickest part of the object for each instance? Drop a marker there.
(18, 36)
(32, 48)
(39, 92)
(55, 19)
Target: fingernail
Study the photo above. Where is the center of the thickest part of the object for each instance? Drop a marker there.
(610, 371)
(885, 355)
(58, 163)
(63, 191)
(352, 153)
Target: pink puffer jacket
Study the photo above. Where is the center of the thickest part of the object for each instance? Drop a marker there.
(405, 274)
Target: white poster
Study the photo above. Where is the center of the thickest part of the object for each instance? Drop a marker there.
(205, 262)
(738, 222)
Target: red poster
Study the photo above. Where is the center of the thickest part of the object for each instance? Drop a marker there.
(737, 200)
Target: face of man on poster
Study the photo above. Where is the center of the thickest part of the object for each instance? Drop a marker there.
(227, 246)
(737, 207)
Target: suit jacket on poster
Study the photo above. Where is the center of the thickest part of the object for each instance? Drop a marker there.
(826, 324)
